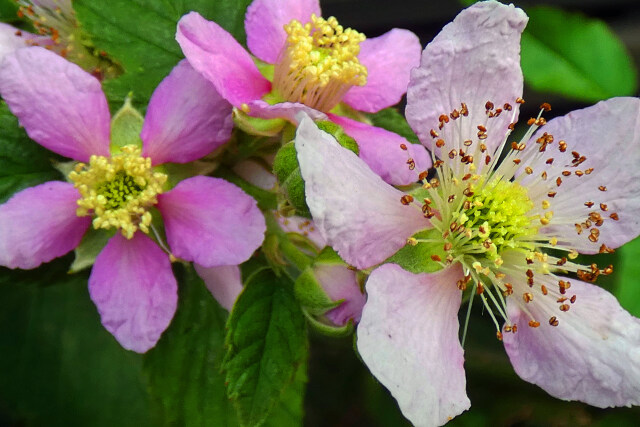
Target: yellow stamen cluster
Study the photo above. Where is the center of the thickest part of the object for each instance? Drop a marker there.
(118, 190)
(319, 63)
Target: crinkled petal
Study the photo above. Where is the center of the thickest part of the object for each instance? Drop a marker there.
(39, 224)
(593, 355)
(358, 214)
(380, 149)
(186, 118)
(215, 54)
(61, 106)
(389, 59)
(211, 222)
(340, 284)
(608, 135)
(408, 338)
(265, 20)
(224, 283)
(474, 59)
(283, 110)
(133, 286)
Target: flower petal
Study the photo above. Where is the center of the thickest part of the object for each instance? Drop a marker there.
(39, 224)
(224, 283)
(301, 225)
(265, 20)
(380, 149)
(474, 59)
(593, 355)
(11, 39)
(211, 222)
(408, 338)
(608, 136)
(61, 106)
(186, 118)
(215, 54)
(133, 286)
(340, 283)
(283, 110)
(356, 211)
(389, 59)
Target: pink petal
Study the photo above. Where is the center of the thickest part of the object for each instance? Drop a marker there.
(593, 355)
(224, 283)
(265, 20)
(474, 59)
(11, 39)
(211, 222)
(380, 149)
(186, 118)
(340, 283)
(283, 110)
(300, 225)
(408, 338)
(389, 59)
(358, 214)
(39, 224)
(61, 106)
(215, 54)
(133, 286)
(608, 135)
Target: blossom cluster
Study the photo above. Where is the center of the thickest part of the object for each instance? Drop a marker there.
(504, 220)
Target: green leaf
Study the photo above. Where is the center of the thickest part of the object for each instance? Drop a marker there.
(60, 367)
(266, 343)
(417, 259)
(628, 272)
(23, 163)
(575, 56)
(140, 36)
(183, 369)
(290, 411)
(391, 120)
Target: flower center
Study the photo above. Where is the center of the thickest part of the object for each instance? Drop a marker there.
(319, 63)
(119, 190)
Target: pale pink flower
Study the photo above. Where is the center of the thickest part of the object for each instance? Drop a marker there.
(571, 186)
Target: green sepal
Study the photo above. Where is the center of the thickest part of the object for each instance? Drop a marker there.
(329, 330)
(287, 172)
(256, 125)
(417, 259)
(311, 296)
(338, 133)
(126, 126)
(92, 243)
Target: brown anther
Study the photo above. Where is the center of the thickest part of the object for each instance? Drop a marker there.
(480, 289)
(607, 270)
(566, 173)
(433, 133)
(507, 107)
(464, 111)
(572, 299)
(544, 290)
(517, 161)
(499, 335)
(603, 207)
(453, 153)
(594, 234)
(406, 199)
(467, 143)
(422, 175)
(411, 163)
(614, 216)
(561, 261)
(561, 300)
(534, 324)
(587, 276)
(467, 192)
(487, 160)
(588, 171)
(519, 100)
(451, 198)
(531, 121)
(514, 145)
(462, 285)
(558, 181)
(436, 258)
(514, 328)
(565, 307)
(604, 249)
(553, 321)
(602, 188)
(440, 143)
(466, 177)
(575, 154)
(562, 146)
(511, 126)
(498, 112)
(527, 297)
(551, 194)
(453, 226)
(447, 246)
(529, 273)
(435, 183)
(482, 128)
(403, 147)
(541, 121)
(438, 163)
(488, 105)
(588, 204)
(545, 106)
(549, 161)
(544, 175)
(482, 136)
(443, 118)
(508, 289)
(528, 170)
(455, 114)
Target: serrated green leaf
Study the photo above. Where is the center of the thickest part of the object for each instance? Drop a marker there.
(628, 273)
(417, 259)
(290, 411)
(23, 163)
(391, 120)
(140, 36)
(60, 366)
(183, 370)
(266, 343)
(575, 56)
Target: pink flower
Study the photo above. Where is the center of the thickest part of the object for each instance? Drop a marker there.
(207, 220)
(365, 75)
(572, 187)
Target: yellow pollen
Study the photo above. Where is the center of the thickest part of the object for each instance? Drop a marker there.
(319, 63)
(118, 190)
